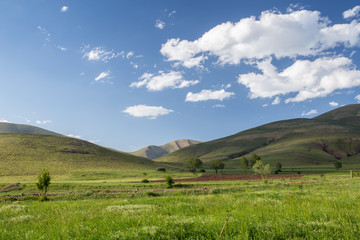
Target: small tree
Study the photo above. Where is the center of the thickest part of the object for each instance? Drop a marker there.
(244, 163)
(261, 169)
(193, 163)
(169, 181)
(337, 165)
(278, 167)
(253, 159)
(44, 181)
(217, 164)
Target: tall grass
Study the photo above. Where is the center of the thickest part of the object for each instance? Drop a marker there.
(327, 209)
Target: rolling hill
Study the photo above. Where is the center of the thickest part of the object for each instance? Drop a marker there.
(296, 143)
(152, 152)
(21, 128)
(26, 150)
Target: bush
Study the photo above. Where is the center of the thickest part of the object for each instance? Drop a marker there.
(160, 169)
(152, 194)
(145, 181)
(169, 181)
(43, 198)
(202, 170)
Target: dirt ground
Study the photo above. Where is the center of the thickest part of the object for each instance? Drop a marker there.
(233, 177)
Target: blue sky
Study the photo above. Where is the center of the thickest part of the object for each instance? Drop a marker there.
(127, 74)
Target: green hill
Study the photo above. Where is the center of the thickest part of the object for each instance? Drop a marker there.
(152, 152)
(314, 143)
(67, 158)
(21, 128)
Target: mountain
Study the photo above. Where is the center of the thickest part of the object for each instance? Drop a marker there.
(152, 152)
(21, 128)
(26, 150)
(297, 142)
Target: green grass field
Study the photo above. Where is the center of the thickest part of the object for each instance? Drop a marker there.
(324, 207)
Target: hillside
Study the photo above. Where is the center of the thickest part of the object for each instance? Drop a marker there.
(152, 152)
(27, 154)
(297, 142)
(21, 128)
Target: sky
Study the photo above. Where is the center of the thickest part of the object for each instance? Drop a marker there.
(131, 73)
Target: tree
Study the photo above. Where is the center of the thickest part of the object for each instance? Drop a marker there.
(169, 181)
(193, 163)
(253, 159)
(261, 169)
(337, 165)
(278, 167)
(244, 163)
(44, 181)
(216, 164)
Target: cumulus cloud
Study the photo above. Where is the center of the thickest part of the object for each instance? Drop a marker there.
(151, 112)
(206, 95)
(74, 136)
(97, 54)
(311, 112)
(64, 8)
(357, 98)
(276, 101)
(351, 12)
(4, 120)
(172, 79)
(297, 33)
(160, 24)
(308, 79)
(43, 122)
(103, 77)
(333, 104)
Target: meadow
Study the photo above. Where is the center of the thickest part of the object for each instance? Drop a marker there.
(316, 206)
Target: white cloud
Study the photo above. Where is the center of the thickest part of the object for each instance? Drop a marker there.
(74, 136)
(351, 12)
(43, 122)
(99, 54)
(44, 32)
(64, 8)
(61, 48)
(299, 33)
(276, 101)
(357, 98)
(218, 106)
(265, 105)
(4, 120)
(103, 76)
(311, 112)
(205, 95)
(163, 80)
(160, 24)
(151, 112)
(129, 54)
(333, 104)
(308, 79)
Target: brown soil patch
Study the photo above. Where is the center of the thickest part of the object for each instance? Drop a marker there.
(233, 177)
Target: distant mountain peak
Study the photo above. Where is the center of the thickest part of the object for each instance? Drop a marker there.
(152, 151)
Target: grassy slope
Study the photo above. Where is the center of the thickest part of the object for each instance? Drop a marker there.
(21, 128)
(27, 154)
(295, 143)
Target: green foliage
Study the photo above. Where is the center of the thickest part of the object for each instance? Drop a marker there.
(261, 169)
(244, 163)
(43, 198)
(152, 194)
(44, 181)
(169, 181)
(161, 169)
(216, 165)
(193, 163)
(278, 167)
(254, 158)
(337, 165)
(145, 181)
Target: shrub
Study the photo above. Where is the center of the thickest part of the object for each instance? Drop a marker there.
(169, 181)
(43, 198)
(152, 194)
(202, 170)
(160, 169)
(145, 181)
